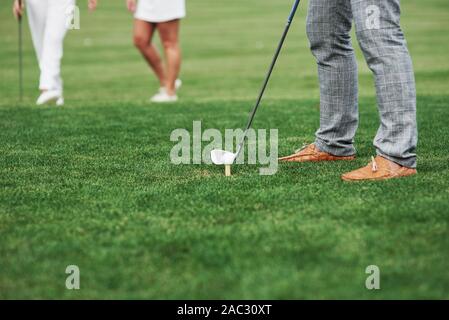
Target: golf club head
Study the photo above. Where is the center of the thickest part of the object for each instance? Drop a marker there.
(221, 157)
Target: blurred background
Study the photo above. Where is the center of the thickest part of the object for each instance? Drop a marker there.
(227, 46)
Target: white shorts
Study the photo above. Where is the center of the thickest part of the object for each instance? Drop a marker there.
(160, 10)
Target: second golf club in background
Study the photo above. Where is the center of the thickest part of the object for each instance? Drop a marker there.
(19, 19)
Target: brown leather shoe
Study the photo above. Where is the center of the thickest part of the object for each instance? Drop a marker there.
(313, 154)
(379, 169)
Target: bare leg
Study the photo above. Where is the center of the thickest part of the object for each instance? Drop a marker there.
(169, 33)
(143, 35)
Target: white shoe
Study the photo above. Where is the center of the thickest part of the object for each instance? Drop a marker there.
(60, 102)
(163, 97)
(50, 96)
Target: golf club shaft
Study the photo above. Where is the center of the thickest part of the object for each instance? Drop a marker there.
(267, 78)
(20, 56)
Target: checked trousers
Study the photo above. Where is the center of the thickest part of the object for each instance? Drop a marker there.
(377, 24)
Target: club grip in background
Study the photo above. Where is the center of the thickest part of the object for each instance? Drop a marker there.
(20, 6)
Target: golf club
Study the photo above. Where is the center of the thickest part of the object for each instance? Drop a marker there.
(20, 55)
(220, 157)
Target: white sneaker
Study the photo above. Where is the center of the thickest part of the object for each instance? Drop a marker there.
(163, 97)
(60, 102)
(50, 96)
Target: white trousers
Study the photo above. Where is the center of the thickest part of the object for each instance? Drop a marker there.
(48, 25)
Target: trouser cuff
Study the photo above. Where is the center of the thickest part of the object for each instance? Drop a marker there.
(343, 151)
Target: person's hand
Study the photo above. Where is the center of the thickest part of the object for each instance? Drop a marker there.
(92, 5)
(131, 4)
(17, 9)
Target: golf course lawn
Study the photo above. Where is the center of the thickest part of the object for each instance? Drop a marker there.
(91, 184)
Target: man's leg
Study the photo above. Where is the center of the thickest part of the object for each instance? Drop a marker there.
(37, 16)
(385, 49)
(328, 28)
(55, 30)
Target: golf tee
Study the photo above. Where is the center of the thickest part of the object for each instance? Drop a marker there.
(228, 170)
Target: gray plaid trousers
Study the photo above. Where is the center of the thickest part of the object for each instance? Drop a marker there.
(379, 34)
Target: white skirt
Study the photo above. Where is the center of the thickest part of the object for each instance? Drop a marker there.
(160, 10)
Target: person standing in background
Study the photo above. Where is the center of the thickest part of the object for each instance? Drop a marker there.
(48, 21)
(163, 16)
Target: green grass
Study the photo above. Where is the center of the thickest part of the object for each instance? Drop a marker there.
(91, 184)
